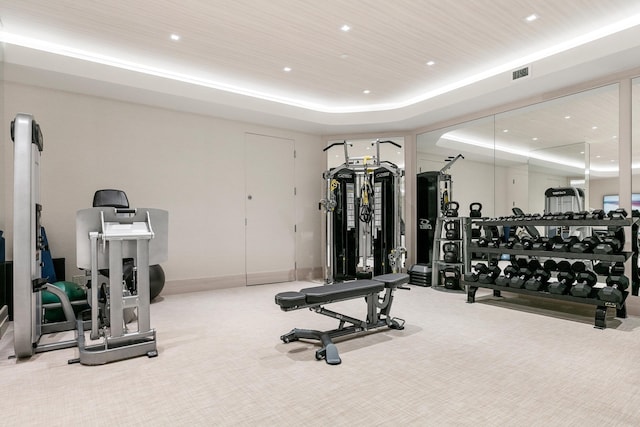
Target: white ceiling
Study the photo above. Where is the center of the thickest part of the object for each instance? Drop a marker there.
(230, 58)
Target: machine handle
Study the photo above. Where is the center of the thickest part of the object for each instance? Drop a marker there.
(334, 144)
(391, 142)
(124, 211)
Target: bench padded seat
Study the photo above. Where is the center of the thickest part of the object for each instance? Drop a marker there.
(357, 288)
(328, 293)
(393, 280)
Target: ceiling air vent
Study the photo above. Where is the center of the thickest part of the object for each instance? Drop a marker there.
(520, 73)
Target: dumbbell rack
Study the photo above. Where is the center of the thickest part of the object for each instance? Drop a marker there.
(464, 261)
(601, 306)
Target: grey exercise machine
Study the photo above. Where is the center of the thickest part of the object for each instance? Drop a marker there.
(378, 310)
(28, 283)
(363, 223)
(105, 236)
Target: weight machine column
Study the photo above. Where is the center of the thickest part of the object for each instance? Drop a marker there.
(144, 294)
(26, 255)
(116, 317)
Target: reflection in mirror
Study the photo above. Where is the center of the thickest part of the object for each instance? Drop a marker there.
(364, 205)
(472, 177)
(566, 142)
(635, 144)
(558, 167)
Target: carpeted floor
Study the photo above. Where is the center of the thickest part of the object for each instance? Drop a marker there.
(514, 362)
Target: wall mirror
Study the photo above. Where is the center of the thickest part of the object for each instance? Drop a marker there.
(569, 141)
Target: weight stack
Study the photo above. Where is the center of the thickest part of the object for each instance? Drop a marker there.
(420, 274)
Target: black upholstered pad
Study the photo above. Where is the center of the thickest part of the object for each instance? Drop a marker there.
(290, 299)
(393, 280)
(357, 288)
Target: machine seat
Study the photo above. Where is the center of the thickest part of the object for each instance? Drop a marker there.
(329, 293)
(393, 280)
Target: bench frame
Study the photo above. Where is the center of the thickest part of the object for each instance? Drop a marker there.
(378, 316)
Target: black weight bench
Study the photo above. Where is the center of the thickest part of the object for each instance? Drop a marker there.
(378, 308)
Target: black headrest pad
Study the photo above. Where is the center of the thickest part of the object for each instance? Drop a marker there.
(110, 198)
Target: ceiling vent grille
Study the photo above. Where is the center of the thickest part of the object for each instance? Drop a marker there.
(520, 73)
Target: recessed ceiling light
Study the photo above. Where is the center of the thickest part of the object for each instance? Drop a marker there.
(597, 157)
(535, 138)
(531, 17)
(567, 117)
(582, 152)
(614, 136)
(505, 130)
(366, 91)
(286, 69)
(612, 160)
(594, 127)
(344, 56)
(175, 37)
(345, 28)
(430, 63)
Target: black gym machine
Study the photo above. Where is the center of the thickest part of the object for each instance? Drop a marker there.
(363, 221)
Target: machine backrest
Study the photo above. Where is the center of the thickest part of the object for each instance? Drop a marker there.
(110, 198)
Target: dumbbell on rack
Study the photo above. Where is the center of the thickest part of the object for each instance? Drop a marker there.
(565, 279)
(524, 273)
(617, 283)
(510, 271)
(587, 245)
(540, 278)
(585, 281)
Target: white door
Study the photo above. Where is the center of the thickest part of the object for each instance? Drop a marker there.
(270, 209)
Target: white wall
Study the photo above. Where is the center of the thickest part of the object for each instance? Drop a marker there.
(192, 166)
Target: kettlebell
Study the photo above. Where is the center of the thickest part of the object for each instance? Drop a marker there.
(450, 252)
(475, 210)
(451, 209)
(452, 230)
(451, 278)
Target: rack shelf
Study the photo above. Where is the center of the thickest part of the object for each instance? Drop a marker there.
(601, 306)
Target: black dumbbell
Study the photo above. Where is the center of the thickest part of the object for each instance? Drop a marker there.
(585, 281)
(602, 268)
(565, 279)
(490, 275)
(540, 244)
(475, 272)
(511, 241)
(524, 274)
(540, 278)
(614, 291)
(550, 265)
(620, 213)
(564, 245)
(596, 214)
(609, 244)
(510, 271)
(581, 215)
(587, 245)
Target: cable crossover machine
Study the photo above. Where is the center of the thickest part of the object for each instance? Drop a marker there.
(363, 223)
